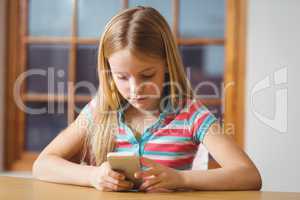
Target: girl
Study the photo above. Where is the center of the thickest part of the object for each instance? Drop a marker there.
(145, 105)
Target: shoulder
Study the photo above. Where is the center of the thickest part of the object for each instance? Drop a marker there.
(86, 114)
(199, 118)
(192, 107)
(90, 106)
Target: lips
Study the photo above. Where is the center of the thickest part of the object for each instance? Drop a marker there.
(138, 98)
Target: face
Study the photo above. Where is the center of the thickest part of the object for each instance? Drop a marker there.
(139, 81)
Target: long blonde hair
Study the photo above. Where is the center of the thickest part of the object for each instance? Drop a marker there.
(139, 29)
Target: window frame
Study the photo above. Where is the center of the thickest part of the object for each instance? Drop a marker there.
(16, 158)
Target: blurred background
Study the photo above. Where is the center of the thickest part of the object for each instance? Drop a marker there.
(240, 56)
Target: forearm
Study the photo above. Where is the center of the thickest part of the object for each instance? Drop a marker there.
(222, 179)
(55, 169)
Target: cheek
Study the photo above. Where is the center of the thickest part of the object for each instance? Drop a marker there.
(122, 88)
(156, 86)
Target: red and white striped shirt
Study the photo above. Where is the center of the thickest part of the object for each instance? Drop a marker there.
(172, 140)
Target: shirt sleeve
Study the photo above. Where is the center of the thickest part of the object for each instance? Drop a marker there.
(89, 108)
(85, 121)
(85, 117)
(200, 121)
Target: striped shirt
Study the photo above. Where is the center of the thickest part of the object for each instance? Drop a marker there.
(172, 140)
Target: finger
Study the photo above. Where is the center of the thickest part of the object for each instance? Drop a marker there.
(101, 185)
(160, 184)
(149, 183)
(148, 177)
(126, 184)
(148, 172)
(120, 183)
(116, 175)
(114, 187)
(154, 187)
(108, 187)
(149, 163)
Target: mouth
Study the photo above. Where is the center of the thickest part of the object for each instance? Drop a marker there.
(138, 98)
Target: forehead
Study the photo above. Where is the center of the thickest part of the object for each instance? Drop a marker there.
(125, 61)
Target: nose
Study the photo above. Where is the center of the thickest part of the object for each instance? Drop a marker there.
(134, 87)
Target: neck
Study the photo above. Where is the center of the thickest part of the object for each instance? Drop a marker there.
(136, 112)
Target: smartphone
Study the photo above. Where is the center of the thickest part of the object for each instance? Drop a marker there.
(126, 163)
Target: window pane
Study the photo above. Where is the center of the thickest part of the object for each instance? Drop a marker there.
(202, 18)
(164, 7)
(47, 65)
(78, 107)
(94, 14)
(205, 68)
(50, 17)
(216, 110)
(87, 75)
(42, 128)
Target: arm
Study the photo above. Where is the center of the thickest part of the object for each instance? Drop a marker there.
(53, 162)
(54, 165)
(237, 171)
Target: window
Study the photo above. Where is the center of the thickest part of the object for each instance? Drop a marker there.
(60, 39)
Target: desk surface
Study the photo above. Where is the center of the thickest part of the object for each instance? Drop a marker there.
(25, 189)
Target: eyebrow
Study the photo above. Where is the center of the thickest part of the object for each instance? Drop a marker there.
(147, 69)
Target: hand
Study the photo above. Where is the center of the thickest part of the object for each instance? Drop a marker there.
(159, 178)
(105, 179)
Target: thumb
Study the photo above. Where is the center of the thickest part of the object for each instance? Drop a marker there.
(149, 162)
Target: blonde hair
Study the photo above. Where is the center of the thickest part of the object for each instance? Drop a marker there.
(139, 29)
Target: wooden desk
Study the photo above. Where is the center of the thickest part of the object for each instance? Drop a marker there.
(25, 189)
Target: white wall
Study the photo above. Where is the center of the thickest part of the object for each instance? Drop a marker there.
(273, 43)
(2, 68)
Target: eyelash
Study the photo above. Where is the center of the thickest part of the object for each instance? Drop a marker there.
(148, 76)
(144, 76)
(122, 77)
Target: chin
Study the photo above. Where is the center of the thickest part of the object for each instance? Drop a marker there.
(144, 107)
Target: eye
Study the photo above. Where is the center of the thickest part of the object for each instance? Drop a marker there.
(122, 77)
(148, 76)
